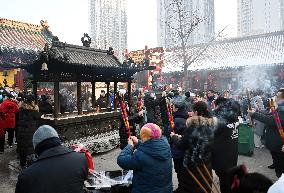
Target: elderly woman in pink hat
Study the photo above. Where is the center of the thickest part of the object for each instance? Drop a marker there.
(151, 161)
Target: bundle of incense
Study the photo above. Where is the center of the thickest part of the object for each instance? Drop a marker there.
(170, 116)
(203, 176)
(125, 117)
(140, 104)
(276, 119)
(249, 105)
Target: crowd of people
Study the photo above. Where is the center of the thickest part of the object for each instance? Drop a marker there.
(193, 134)
(20, 114)
(19, 117)
(202, 137)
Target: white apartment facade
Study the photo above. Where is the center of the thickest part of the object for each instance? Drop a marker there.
(205, 31)
(108, 25)
(260, 16)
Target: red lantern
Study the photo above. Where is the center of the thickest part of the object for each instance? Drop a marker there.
(158, 68)
(197, 77)
(210, 77)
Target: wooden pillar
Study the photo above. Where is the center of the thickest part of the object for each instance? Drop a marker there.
(115, 95)
(19, 79)
(205, 85)
(129, 89)
(79, 98)
(56, 98)
(107, 94)
(94, 94)
(35, 90)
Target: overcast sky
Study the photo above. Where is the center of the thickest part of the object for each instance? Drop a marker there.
(68, 19)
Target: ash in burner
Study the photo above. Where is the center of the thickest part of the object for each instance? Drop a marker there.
(107, 179)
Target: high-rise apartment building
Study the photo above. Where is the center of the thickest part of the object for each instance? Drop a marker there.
(260, 16)
(108, 25)
(282, 13)
(205, 31)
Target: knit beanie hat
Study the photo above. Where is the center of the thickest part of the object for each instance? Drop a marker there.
(152, 130)
(42, 133)
(187, 94)
(178, 102)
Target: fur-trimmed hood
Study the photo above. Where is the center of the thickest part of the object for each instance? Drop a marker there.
(27, 106)
(201, 121)
(199, 138)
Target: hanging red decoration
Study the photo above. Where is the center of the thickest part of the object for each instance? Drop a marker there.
(210, 77)
(197, 77)
(158, 68)
(215, 84)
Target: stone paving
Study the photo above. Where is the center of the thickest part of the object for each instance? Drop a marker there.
(107, 161)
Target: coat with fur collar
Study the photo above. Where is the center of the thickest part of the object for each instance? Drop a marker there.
(27, 124)
(199, 131)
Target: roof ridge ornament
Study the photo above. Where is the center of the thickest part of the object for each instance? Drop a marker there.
(44, 24)
(56, 42)
(86, 40)
(46, 47)
(110, 51)
(20, 25)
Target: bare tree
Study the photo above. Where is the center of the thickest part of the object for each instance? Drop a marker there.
(181, 24)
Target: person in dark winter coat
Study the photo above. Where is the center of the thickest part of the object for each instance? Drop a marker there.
(151, 162)
(27, 124)
(189, 101)
(163, 110)
(151, 103)
(133, 118)
(244, 106)
(199, 131)
(180, 116)
(57, 169)
(243, 182)
(63, 101)
(102, 101)
(45, 107)
(273, 140)
(225, 148)
(210, 99)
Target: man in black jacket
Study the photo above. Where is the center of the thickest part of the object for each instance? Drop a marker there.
(57, 169)
(44, 105)
(102, 101)
(225, 147)
(150, 102)
(180, 116)
(133, 119)
(273, 139)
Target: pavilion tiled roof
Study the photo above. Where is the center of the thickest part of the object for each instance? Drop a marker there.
(264, 49)
(20, 42)
(83, 56)
(72, 62)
